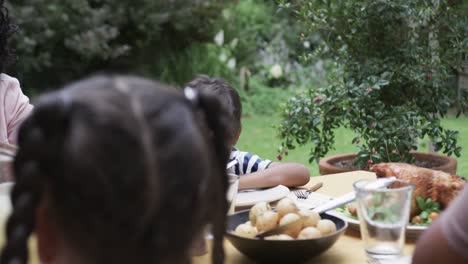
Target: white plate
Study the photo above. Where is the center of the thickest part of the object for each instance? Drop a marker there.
(250, 198)
(313, 200)
(412, 231)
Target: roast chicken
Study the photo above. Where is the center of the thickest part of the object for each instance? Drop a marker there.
(438, 185)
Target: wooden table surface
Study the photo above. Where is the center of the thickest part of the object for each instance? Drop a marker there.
(348, 249)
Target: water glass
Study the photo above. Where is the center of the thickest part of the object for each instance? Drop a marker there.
(383, 214)
(232, 192)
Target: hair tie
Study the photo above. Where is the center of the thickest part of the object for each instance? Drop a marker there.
(191, 95)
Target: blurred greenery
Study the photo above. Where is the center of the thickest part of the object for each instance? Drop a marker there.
(259, 136)
(173, 41)
(394, 79)
(260, 49)
(63, 40)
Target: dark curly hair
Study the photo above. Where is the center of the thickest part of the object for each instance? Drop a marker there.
(7, 29)
(132, 171)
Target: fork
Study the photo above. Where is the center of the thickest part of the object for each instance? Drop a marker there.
(303, 194)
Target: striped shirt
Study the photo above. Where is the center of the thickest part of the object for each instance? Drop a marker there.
(245, 162)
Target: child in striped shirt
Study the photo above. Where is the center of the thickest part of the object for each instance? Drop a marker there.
(255, 172)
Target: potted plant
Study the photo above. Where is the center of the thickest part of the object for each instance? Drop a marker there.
(392, 81)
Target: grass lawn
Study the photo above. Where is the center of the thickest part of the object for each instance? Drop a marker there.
(259, 136)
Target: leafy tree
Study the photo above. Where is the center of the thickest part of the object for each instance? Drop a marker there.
(395, 65)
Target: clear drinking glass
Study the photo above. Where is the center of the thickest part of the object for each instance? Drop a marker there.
(383, 214)
(232, 192)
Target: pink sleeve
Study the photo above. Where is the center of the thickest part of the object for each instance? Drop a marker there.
(454, 222)
(15, 105)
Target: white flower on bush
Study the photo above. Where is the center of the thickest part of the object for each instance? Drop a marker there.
(306, 44)
(223, 57)
(219, 38)
(234, 43)
(231, 63)
(276, 71)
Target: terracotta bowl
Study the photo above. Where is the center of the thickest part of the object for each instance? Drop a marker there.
(443, 163)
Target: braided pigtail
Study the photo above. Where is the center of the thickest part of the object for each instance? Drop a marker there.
(217, 121)
(29, 186)
(25, 199)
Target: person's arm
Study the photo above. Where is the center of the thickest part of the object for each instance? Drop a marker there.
(288, 174)
(446, 240)
(16, 106)
(433, 247)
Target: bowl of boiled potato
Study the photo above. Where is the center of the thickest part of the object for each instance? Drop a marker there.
(301, 241)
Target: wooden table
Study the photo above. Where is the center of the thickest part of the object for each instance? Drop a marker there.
(348, 249)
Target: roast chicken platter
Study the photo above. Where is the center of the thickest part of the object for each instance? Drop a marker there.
(439, 186)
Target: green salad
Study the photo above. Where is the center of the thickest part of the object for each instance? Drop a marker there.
(430, 210)
(344, 211)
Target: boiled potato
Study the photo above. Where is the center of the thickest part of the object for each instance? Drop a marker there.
(311, 218)
(267, 221)
(245, 230)
(286, 206)
(257, 210)
(279, 237)
(294, 229)
(309, 233)
(326, 227)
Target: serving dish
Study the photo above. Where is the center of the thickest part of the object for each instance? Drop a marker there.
(281, 251)
(412, 231)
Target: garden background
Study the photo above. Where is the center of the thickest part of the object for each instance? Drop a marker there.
(260, 48)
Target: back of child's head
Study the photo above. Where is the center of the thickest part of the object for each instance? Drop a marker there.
(127, 168)
(228, 97)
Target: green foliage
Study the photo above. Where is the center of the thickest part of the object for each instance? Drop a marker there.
(248, 41)
(250, 22)
(249, 37)
(62, 40)
(396, 60)
(199, 58)
(260, 137)
(268, 42)
(261, 99)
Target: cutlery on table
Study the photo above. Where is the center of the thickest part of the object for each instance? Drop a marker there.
(303, 194)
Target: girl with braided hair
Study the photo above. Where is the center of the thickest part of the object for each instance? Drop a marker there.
(14, 105)
(117, 169)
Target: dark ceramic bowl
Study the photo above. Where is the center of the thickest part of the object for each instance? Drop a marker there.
(278, 251)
